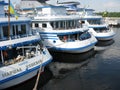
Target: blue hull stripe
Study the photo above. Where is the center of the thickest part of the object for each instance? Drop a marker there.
(19, 44)
(51, 38)
(61, 33)
(14, 22)
(97, 27)
(44, 35)
(23, 73)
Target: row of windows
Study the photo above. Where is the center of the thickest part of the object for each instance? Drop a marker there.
(95, 21)
(15, 55)
(43, 25)
(104, 29)
(15, 30)
(73, 37)
(65, 24)
(61, 24)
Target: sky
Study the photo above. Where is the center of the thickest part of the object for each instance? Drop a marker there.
(97, 5)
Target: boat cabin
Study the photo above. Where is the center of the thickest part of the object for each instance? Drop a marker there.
(59, 20)
(18, 28)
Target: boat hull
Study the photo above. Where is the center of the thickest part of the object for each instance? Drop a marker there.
(73, 47)
(19, 80)
(103, 35)
(74, 50)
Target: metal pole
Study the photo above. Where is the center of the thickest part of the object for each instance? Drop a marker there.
(8, 19)
(2, 57)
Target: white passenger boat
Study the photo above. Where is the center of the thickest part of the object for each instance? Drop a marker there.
(96, 24)
(62, 32)
(21, 50)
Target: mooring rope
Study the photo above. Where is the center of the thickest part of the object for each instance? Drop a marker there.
(38, 76)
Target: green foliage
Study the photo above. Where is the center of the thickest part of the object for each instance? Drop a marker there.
(109, 14)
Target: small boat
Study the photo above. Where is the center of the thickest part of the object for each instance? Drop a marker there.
(61, 32)
(95, 23)
(21, 50)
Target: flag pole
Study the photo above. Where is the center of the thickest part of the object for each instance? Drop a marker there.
(9, 19)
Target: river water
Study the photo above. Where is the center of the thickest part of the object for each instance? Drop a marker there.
(99, 72)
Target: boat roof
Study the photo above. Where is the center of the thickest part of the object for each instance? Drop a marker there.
(30, 5)
(55, 18)
(3, 3)
(13, 20)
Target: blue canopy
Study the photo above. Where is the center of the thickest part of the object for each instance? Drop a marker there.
(3, 3)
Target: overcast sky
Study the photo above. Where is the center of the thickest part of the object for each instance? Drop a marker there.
(97, 5)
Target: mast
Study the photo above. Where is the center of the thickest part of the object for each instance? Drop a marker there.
(9, 19)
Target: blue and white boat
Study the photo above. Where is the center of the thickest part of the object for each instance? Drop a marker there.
(62, 32)
(21, 50)
(95, 23)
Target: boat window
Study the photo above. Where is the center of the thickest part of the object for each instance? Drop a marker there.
(57, 25)
(36, 25)
(44, 25)
(60, 25)
(0, 34)
(52, 24)
(5, 31)
(82, 22)
(99, 30)
(15, 29)
(72, 37)
(95, 21)
(30, 24)
(0, 58)
(23, 29)
(68, 24)
(69, 38)
(85, 35)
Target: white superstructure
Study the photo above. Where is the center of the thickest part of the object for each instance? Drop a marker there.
(62, 32)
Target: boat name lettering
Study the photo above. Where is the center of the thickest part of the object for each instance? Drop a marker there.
(9, 73)
(33, 64)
